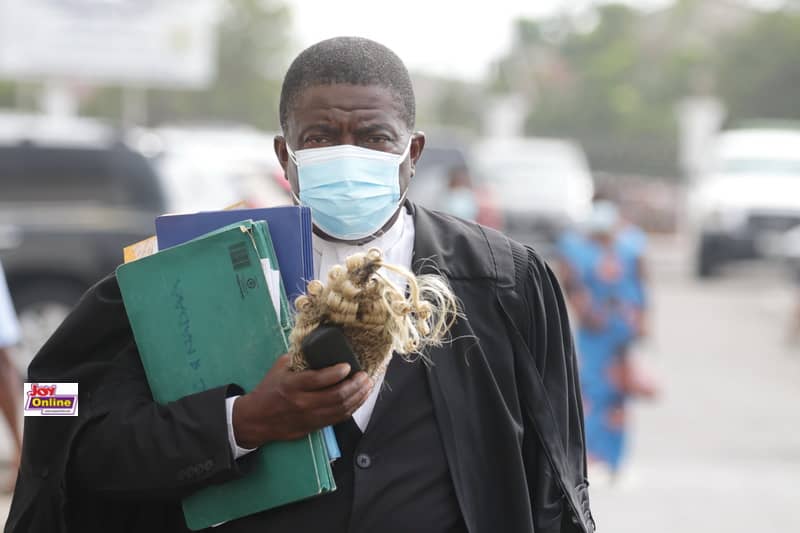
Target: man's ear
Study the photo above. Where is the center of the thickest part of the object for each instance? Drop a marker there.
(417, 146)
(279, 144)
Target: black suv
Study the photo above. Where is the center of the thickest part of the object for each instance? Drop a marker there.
(66, 212)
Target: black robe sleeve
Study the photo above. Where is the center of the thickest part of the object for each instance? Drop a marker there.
(548, 336)
(122, 446)
(136, 448)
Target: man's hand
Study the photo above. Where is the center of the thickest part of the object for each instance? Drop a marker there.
(287, 405)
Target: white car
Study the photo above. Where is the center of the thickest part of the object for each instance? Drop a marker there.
(541, 185)
(206, 168)
(749, 197)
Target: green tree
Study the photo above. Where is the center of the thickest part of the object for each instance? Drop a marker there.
(758, 72)
(612, 85)
(447, 103)
(6, 94)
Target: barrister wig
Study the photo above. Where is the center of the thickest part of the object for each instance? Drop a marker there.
(374, 313)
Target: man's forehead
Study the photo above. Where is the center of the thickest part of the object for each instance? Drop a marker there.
(325, 101)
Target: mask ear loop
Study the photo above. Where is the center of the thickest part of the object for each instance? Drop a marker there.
(403, 196)
(407, 151)
(292, 155)
(403, 156)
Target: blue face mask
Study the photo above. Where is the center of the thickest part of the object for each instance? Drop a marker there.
(352, 191)
(461, 202)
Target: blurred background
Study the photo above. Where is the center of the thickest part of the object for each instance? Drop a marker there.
(684, 114)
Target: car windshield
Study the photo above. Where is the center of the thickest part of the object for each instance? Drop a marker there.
(107, 176)
(760, 166)
(525, 183)
(196, 182)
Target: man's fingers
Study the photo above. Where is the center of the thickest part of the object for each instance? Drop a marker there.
(313, 380)
(336, 413)
(351, 399)
(357, 400)
(341, 393)
(337, 397)
(282, 362)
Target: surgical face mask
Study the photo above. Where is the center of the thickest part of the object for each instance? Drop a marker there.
(352, 191)
(461, 202)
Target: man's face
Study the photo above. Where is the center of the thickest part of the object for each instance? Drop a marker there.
(367, 116)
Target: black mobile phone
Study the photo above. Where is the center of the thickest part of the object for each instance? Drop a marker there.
(327, 346)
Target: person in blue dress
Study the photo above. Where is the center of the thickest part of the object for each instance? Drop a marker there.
(600, 270)
(631, 243)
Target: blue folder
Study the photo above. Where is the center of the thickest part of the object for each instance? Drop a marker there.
(290, 230)
(289, 227)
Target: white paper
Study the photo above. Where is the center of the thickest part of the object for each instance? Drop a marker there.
(273, 278)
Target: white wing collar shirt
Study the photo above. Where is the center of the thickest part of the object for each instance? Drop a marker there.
(397, 245)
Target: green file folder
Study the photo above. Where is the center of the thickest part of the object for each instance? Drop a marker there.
(202, 317)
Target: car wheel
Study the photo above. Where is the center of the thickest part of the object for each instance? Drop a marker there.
(41, 307)
(707, 263)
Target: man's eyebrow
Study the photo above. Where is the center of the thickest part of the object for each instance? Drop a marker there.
(320, 128)
(375, 127)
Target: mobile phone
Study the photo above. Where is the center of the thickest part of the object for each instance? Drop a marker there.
(327, 346)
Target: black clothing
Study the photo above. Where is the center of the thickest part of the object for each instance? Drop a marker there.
(402, 480)
(329, 512)
(392, 479)
(504, 392)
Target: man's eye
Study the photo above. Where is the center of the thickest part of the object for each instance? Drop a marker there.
(316, 140)
(377, 139)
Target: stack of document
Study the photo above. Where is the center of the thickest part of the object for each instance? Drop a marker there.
(210, 312)
(289, 226)
(290, 230)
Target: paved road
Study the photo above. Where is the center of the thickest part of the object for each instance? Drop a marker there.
(721, 451)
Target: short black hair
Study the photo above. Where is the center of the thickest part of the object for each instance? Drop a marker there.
(349, 60)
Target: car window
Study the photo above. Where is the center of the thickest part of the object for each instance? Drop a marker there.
(434, 157)
(522, 185)
(53, 174)
(547, 176)
(197, 181)
(521, 181)
(431, 174)
(760, 166)
(45, 174)
(135, 175)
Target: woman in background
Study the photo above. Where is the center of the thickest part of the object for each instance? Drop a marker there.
(460, 197)
(601, 278)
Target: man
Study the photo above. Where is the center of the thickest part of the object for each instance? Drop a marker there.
(460, 197)
(487, 437)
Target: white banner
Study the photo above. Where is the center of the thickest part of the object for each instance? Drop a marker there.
(147, 43)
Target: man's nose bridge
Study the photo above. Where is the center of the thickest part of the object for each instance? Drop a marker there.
(345, 122)
(347, 137)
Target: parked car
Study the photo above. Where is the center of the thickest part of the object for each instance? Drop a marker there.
(750, 196)
(72, 197)
(445, 152)
(210, 167)
(75, 192)
(542, 185)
